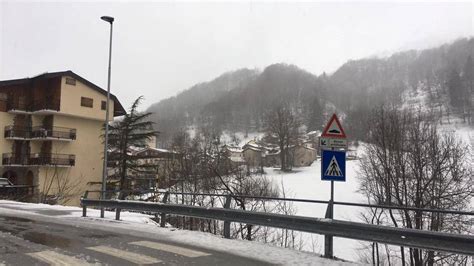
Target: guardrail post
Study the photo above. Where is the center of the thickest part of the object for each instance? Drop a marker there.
(84, 207)
(117, 214)
(163, 215)
(228, 200)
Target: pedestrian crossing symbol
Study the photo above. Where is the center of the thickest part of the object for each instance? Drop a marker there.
(333, 169)
(333, 165)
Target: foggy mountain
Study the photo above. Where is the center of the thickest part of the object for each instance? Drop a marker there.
(237, 101)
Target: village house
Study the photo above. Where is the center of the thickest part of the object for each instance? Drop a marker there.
(272, 158)
(157, 166)
(52, 127)
(257, 154)
(234, 154)
(302, 155)
(254, 154)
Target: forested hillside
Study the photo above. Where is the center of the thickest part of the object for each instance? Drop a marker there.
(237, 101)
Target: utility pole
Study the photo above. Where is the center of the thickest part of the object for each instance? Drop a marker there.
(106, 141)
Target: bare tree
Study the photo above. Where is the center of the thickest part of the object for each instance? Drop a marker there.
(58, 186)
(409, 163)
(282, 127)
(206, 168)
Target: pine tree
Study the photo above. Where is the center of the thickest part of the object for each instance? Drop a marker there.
(132, 131)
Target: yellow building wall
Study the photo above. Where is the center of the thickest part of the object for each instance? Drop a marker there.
(88, 149)
(71, 101)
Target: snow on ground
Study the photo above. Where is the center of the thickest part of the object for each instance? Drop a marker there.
(142, 225)
(227, 137)
(72, 212)
(306, 183)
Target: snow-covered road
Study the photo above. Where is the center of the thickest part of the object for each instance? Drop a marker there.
(38, 233)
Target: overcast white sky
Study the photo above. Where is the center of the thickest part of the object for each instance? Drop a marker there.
(161, 48)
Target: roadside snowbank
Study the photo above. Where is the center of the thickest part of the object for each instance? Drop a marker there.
(141, 225)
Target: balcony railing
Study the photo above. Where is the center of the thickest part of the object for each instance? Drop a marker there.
(53, 133)
(15, 159)
(40, 132)
(32, 106)
(48, 104)
(15, 132)
(39, 159)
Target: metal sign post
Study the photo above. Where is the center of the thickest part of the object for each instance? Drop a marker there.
(328, 239)
(333, 167)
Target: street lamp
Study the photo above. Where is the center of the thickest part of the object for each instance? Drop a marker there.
(106, 144)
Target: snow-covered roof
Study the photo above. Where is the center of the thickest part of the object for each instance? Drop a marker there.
(253, 148)
(232, 148)
(156, 150)
(253, 145)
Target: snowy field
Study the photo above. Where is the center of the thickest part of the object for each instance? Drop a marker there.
(305, 183)
(141, 225)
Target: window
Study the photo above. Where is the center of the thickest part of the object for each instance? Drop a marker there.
(103, 105)
(87, 102)
(71, 81)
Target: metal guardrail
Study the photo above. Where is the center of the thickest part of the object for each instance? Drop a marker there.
(380, 206)
(342, 203)
(439, 241)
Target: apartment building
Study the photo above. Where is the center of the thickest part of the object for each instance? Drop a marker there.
(51, 139)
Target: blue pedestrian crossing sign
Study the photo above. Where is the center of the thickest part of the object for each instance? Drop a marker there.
(333, 165)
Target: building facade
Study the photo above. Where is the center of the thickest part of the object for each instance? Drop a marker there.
(51, 139)
(302, 155)
(157, 168)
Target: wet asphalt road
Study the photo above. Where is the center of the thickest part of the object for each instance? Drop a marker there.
(30, 241)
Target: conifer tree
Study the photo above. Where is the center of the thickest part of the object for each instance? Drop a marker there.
(132, 131)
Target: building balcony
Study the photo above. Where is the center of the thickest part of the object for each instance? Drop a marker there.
(39, 159)
(53, 133)
(18, 133)
(17, 106)
(40, 133)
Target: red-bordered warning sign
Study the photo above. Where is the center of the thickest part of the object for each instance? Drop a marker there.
(334, 129)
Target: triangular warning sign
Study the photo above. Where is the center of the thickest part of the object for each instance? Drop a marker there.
(334, 129)
(333, 168)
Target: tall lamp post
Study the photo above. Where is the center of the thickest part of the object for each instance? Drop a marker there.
(106, 144)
